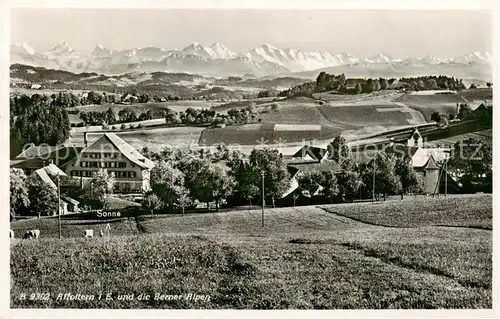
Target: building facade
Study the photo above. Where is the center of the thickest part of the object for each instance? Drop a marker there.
(132, 171)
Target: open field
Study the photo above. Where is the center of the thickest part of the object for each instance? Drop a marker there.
(244, 104)
(485, 136)
(367, 115)
(464, 211)
(234, 135)
(153, 138)
(480, 94)
(304, 257)
(427, 104)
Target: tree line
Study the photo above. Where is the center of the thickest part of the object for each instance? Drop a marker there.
(340, 84)
(37, 119)
(190, 116)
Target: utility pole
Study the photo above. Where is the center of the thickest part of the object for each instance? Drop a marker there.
(373, 189)
(446, 175)
(59, 205)
(263, 201)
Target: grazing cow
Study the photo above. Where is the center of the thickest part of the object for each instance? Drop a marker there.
(89, 233)
(101, 234)
(11, 234)
(30, 234)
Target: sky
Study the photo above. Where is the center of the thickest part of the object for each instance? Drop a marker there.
(360, 32)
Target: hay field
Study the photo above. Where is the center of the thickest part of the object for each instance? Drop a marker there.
(303, 258)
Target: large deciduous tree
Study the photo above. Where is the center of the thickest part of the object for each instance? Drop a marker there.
(167, 182)
(246, 179)
(339, 151)
(207, 181)
(101, 186)
(410, 180)
(19, 199)
(472, 161)
(276, 176)
(43, 198)
(349, 182)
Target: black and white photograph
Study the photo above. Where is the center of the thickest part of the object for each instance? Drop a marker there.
(250, 158)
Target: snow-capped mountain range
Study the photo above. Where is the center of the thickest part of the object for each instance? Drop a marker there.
(217, 60)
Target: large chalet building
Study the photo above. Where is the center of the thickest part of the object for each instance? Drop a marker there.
(130, 168)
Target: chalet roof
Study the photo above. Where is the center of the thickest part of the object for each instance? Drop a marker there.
(427, 157)
(53, 170)
(70, 200)
(415, 133)
(294, 184)
(292, 170)
(47, 171)
(45, 178)
(37, 151)
(126, 150)
(314, 152)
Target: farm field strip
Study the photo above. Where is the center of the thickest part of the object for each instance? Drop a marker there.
(430, 212)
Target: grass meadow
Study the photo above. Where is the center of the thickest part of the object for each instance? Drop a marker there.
(328, 257)
(427, 104)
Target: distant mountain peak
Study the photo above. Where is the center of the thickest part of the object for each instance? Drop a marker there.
(268, 46)
(265, 59)
(25, 47)
(62, 48)
(194, 45)
(100, 51)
